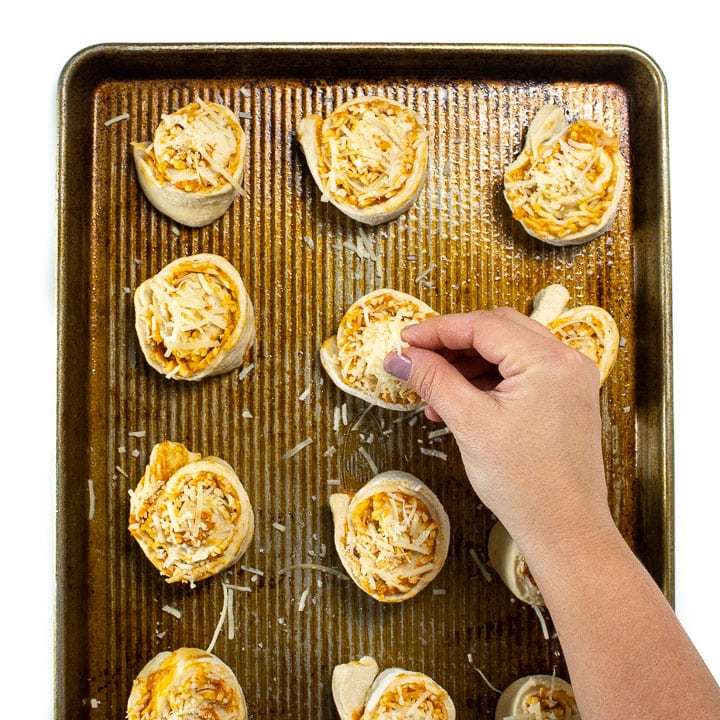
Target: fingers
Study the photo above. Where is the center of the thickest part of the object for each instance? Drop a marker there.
(503, 337)
(448, 394)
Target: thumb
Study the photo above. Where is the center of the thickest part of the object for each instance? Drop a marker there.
(444, 389)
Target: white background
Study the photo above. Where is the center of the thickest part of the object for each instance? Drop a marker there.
(36, 44)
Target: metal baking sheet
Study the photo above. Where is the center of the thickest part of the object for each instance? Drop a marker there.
(457, 249)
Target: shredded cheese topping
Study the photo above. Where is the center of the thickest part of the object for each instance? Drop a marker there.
(391, 539)
(566, 185)
(366, 334)
(198, 148)
(410, 696)
(582, 333)
(189, 316)
(550, 703)
(189, 517)
(191, 684)
(368, 151)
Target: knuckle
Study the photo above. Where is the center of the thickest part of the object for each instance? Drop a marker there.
(569, 363)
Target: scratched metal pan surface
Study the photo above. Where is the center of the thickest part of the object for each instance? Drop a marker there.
(457, 248)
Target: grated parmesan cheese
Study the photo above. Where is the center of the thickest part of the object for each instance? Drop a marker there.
(434, 453)
(481, 565)
(297, 448)
(246, 371)
(303, 599)
(117, 119)
(170, 610)
(91, 500)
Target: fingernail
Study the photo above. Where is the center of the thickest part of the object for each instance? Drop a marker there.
(398, 366)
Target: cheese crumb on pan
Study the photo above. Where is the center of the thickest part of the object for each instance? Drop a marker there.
(194, 318)
(368, 157)
(190, 515)
(565, 185)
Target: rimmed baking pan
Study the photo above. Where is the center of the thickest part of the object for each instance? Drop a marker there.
(457, 248)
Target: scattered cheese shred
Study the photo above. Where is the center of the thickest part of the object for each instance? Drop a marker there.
(297, 448)
(486, 681)
(371, 463)
(303, 599)
(170, 610)
(421, 276)
(279, 526)
(481, 565)
(246, 371)
(314, 566)
(231, 612)
(221, 620)
(117, 119)
(434, 453)
(543, 624)
(91, 500)
(252, 570)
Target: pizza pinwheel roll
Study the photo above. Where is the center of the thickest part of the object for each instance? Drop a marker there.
(565, 185)
(540, 697)
(369, 330)
(588, 328)
(188, 683)
(392, 535)
(193, 168)
(191, 515)
(194, 318)
(368, 157)
(510, 564)
(360, 692)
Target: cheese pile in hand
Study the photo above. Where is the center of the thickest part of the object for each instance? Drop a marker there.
(368, 331)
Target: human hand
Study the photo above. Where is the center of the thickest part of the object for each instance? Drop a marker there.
(524, 410)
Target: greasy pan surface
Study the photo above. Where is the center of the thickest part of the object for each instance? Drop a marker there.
(457, 249)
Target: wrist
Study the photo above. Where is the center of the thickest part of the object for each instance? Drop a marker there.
(572, 548)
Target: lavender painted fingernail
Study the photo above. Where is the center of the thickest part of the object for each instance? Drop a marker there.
(398, 365)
